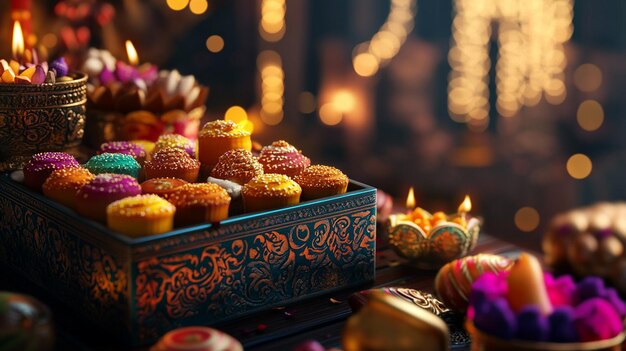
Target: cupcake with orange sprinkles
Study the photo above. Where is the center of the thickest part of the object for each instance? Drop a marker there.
(62, 185)
(321, 181)
(269, 191)
(283, 158)
(238, 166)
(176, 141)
(199, 203)
(141, 215)
(162, 187)
(172, 163)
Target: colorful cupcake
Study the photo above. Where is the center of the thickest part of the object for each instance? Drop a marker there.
(320, 181)
(39, 167)
(62, 185)
(126, 148)
(283, 158)
(162, 187)
(176, 141)
(147, 145)
(141, 215)
(270, 191)
(237, 165)
(172, 163)
(199, 203)
(219, 136)
(113, 163)
(94, 197)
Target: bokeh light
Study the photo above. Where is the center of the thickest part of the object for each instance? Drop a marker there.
(365, 64)
(306, 102)
(198, 7)
(588, 77)
(177, 5)
(527, 219)
(579, 166)
(215, 43)
(344, 101)
(236, 114)
(590, 115)
(329, 115)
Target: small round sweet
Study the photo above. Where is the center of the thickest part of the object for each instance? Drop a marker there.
(62, 184)
(219, 136)
(113, 163)
(126, 148)
(453, 282)
(172, 163)
(162, 187)
(269, 191)
(320, 181)
(141, 215)
(237, 165)
(176, 141)
(25, 323)
(94, 197)
(197, 339)
(283, 158)
(40, 165)
(199, 203)
(147, 145)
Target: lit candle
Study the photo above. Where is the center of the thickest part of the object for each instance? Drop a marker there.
(133, 57)
(526, 285)
(17, 44)
(463, 209)
(410, 200)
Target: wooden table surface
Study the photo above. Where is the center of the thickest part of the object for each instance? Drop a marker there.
(321, 318)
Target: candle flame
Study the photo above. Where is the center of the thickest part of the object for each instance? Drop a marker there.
(17, 46)
(133, 57)
(466, 205)
(410, 199)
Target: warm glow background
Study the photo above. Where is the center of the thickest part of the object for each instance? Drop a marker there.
(517, 103)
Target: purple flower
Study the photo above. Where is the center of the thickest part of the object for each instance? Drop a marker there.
(613, 298)
(106, 76)
(560, 290)
(496, 318)
(588, 288)
(59, 66)
(562, 325)
(596, 319)
(532, 324)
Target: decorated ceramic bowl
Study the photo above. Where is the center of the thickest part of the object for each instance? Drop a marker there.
(431, 249)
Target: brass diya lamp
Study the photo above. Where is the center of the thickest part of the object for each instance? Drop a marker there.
(40, 108)
(431, 240)
(128, 101)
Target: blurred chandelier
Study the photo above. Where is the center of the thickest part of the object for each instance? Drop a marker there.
(530, 63)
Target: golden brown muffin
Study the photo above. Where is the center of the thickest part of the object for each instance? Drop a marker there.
(161, 186)
(141, 215)
(172, 163)
(270, 191)
(219, 136)
(62, 184)
(283, 158)
(238, 166)
(199, 203)
(320, 181)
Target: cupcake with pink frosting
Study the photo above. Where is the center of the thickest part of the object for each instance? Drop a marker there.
(283, 158)
(124, 147)
(93, 198)
(41, 165)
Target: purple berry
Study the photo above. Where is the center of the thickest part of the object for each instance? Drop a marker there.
(309, 345)
(588, 288)
(496, 319)
(562, 325)
(532, 324)
(596, 319)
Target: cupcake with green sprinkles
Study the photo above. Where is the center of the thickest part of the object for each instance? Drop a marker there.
(113, 163)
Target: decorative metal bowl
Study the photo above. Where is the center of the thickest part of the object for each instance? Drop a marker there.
(40, 117)
(484, 342)
(445, 242)
(103, 126)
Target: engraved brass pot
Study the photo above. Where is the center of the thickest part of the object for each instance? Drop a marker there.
(40, 117)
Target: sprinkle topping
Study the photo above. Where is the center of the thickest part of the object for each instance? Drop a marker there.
(271, 185)
(148, 206)
(221, 129)
(123, 147)
(71, 178)
(319, 176)
(199, 194)
(108, 183)
(238, 165)
(283, 158)
(113, 163)
(172, 159)
(50, 160)
(175, 141)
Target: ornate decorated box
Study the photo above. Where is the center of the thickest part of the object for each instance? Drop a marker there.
(137, 289)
